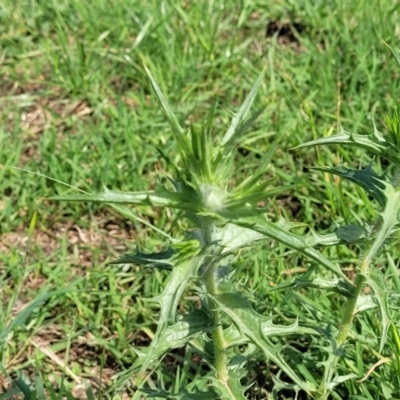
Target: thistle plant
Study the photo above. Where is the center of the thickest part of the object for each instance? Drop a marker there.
(385, 189)
(223, 220)
(225, 330)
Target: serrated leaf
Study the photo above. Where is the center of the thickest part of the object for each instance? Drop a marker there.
(155, 260)
(187, 328)
(232, 237)
(337, 380)
(268, 328)
(203, 346)
(337, 285)
(374, 143)
(343, 234)
(296, 242)
(280, 385)
(233, 337)
(373, 183)
(242, 113)
(352, 234)
(250, 324)
(182, 395)
(376, 280)
(184, 269)
(178, 131)
(364, 303)
(158, 198)
(386, 223)
(231, 389)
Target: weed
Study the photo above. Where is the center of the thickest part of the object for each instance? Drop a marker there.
(224, 219)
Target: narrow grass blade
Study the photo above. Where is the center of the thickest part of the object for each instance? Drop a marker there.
(10, 393)
(22, 317)
(395, 53)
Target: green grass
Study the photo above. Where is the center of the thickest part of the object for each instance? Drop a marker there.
(77, 106)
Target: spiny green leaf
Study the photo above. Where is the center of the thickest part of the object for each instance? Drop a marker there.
(182, 395)
(296, 242)
(161, 197)
(393, 126)
(203, 346)
(375, 143)
(155, 260)
(187, 328)
(280, 385)
(388, 220)
(352, 234)
(364, 303)
(376, 280)
(202, 154)
(337, 380)
(181, 273)
(232, 237)
(373, 183)
(231, 389)
(336, 285)
(233, 337)
(242, 113)
(178, 131)
(250, 324)
(343, 234)
(184, 269)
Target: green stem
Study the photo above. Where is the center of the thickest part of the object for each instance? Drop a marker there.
(217, 335)
(345, 326)
(212, 288)
(378, 234)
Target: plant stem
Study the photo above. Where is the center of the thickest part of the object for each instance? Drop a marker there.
(207, 228)
(345, 325)
(378, 234)
(217, 335)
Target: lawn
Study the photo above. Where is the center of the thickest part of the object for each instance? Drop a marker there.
(79, 113)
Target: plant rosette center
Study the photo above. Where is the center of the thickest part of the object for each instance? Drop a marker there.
(212, 197)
